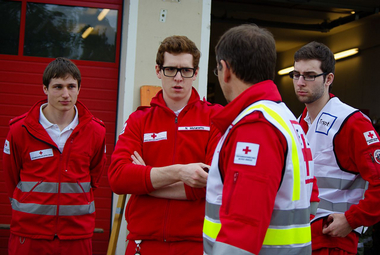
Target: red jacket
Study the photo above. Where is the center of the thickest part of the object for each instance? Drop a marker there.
(247, 207)
(151, 218)
(354, 155)
(52, 192)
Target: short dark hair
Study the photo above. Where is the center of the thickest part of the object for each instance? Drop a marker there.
(175, 45)
(61, 68)
(250, 52)
(318, 51)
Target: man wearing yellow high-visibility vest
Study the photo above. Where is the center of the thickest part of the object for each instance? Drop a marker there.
(261, 178)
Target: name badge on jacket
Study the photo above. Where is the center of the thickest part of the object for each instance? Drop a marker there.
(41, 154)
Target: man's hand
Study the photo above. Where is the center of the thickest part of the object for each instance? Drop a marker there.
(137, 159)
(194, 174)
(336, 225)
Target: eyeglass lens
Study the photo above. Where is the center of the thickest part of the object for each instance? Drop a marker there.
(306, 77)
(186, 72)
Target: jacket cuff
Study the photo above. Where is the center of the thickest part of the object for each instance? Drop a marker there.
(351, 220)
(148, 181)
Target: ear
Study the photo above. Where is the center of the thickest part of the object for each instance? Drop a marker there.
(329, 79)
(158, 71)
(196, 74)
(45, 89)
(226, 71)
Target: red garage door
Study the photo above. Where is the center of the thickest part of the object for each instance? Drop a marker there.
(34, 33)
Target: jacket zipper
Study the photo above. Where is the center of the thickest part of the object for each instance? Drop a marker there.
(58, 194)
(235, 178)
(175, 137)
(68, 154)
(174, 150)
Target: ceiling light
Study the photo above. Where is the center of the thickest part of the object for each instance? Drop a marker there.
(286, 70)
(87, 32)
(346, 53)
(339, 55)
(102, 14)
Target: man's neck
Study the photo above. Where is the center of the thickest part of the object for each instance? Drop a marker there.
(61, 118)
(315, 107)
(176, 105)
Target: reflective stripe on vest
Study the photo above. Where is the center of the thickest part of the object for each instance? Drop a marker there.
(293, 235)
(223, 248)
(289, 227)
(211, 228)
(54, 188)
(341, 184)
(298, 233)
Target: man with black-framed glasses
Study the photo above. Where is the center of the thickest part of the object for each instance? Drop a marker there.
(346, 152)
(162, 157)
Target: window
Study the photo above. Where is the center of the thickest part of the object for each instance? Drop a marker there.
(9, 27)
(74, 32)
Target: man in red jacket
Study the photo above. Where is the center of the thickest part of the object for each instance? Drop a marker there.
(53, 160)
(346, 152)
(176, 140)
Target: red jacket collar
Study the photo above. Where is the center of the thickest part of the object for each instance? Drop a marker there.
(265, 90)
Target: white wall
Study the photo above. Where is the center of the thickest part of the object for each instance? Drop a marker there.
(142, 33)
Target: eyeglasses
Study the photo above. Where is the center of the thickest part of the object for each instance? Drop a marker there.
(306, 77)
(186, 72)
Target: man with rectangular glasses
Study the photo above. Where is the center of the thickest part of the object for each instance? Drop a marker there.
(161, 157)
(346, 152)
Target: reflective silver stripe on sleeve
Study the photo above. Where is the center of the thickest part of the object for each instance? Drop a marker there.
(64, 210)
(52, 187)
(212, 211)
(226, 249)
(335, 183)
(334, 207)
(290, 217)
(34, 208)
